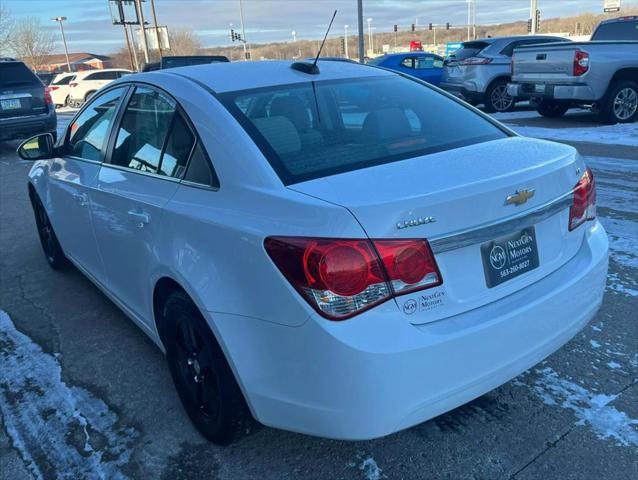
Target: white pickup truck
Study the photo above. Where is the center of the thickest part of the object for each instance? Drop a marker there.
(601, 74)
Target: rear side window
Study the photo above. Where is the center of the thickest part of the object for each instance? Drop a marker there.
(64, 80)
(424, 63)
(317, 129)
(16, 74)
(88, 131)
(623, 30)
(407, 62)
(152, 136)
(509, 50)
(199, 169)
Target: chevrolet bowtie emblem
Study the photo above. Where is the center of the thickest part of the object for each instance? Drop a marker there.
(520, 197)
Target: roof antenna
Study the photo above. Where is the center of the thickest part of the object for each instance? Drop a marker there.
(312, 68)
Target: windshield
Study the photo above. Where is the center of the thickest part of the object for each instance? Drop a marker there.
(623, 30)
(313, 130)
(469, 49)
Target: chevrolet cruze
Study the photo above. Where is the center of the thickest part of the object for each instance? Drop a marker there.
(345, 252)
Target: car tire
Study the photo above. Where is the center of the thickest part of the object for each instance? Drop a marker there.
(552, 108)
(204, 381)
(497, 99)
(50, 245)
(67, 101)
(88, 95)
(621, 103)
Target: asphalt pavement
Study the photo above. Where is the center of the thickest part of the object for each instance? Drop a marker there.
(84, 393)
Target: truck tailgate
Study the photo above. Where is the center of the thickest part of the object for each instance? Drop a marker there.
(545, 63)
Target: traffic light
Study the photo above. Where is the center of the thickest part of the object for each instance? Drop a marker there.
(396, 28)
(232, 35)
(247, 55)
(529, 26)
(538, 20)
(343, 46)
(413, 27)
(447, 26)
(430, 27)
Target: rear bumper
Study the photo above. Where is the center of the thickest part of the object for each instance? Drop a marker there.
(468, 93)
(553, 92)
(26, 126)
(376, 374)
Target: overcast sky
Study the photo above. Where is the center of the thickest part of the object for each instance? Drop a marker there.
(89, 28)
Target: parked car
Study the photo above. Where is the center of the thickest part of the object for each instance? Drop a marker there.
(26, 107)
(60, 89)
(601, 74)
(422, 65)
(183, 61)
(313, 249)
(86, 83)
(479, 71)
(45, 77)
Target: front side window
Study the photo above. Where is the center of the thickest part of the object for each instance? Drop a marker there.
(88, 132)
(337, 126)
(152, 136)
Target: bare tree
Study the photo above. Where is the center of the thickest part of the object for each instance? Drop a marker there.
(183, 42)
(31, 42)
(6, 24)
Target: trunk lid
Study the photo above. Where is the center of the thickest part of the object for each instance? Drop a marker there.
(464, 190)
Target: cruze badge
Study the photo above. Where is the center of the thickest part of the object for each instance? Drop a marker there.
(519, 197)
(415, 222)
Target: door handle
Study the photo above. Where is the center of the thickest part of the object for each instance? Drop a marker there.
(140, 218)
(81, 198)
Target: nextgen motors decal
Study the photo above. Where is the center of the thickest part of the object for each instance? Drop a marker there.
(425, 302)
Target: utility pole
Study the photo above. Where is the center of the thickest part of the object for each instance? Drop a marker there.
(474, 19)
(157, 35)
(140, 15)
(370, 39)
(469, 17)
(532, 14)
(360, 25)
(137, 63)
(128, 46)
(66, 51)
(243, 31)
(345, 37)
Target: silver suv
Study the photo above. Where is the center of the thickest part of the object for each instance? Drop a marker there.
(479, 71)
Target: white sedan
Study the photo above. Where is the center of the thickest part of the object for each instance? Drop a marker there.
(345, 253)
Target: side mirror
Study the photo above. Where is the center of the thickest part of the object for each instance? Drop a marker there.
(39, 147)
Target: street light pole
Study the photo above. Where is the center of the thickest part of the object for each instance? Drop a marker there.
(243, 31)
(371, 45)
(533, 6)
(140, 15)
(66, 51)
(345, 40)
(294, 36)
(360, 25)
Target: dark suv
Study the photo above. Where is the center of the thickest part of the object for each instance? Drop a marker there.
(26, 107)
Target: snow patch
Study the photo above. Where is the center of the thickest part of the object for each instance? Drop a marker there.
(619, 134)
(590, 409)
(594, 344)
(371, 470)
(613, 365)
(57, 429)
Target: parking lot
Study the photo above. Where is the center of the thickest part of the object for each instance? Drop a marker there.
(78, 375)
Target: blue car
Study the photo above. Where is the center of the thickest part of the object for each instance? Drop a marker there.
(425, 66)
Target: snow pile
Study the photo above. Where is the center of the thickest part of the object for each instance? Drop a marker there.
(57, 429)
(590, 409)
(370, 469)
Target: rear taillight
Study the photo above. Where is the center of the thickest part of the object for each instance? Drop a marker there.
(475, 61)
(341, 278)
(73, 84)
(581, 63)
(584, 205)
(47, 96)
(53, 87)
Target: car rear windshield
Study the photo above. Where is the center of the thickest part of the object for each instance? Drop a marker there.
(316, 129)
(64, 80)
(16, 74)
(469, 49)
(623, 30)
